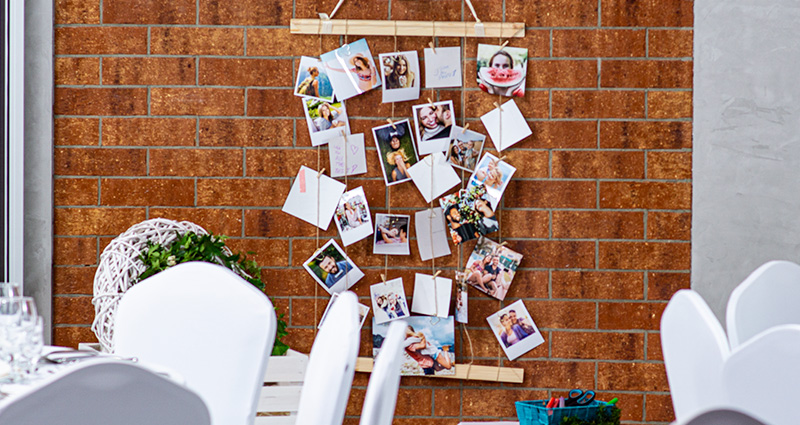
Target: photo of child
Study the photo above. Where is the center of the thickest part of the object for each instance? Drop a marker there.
(325, 120)
(389, 300)
(468, 214)
(429, 345)
(491, 268)
(494, 175)
(400, 72)
(352, 216)
(396, 151)
(391, 234)
(312, 80)
(502, 70)
(434, 126)
(351, 69)
(515, 330)
(465, 149)
(331, 268)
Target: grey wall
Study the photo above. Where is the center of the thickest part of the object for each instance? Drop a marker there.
(746, 160)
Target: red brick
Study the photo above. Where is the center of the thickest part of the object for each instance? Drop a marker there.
(645, 255)
(646, 74)
(617, 315)
(217, 221)
(149, 131)
(535, 104)
(71, 336)
(661, 286)
(246, 12)
(563, 134)
(74, 251)
(196, 101)
(598, 345)
(76, 131)
(279, 162)
(146, 192)
(196, 162)
(355, 9)
(556, 374)
(598, 104)
(95, 221)
(244, 72)
(557, 254)
(445, 10)
(631, 377)
(562, 314)
(530, 164)
(160, 12)
(482, 403)
(75, 191)
(100, 41)
(647, 13)
(552, 13)
(148, 71)
(246, 132)
(669, 104)
(651, 195)
(196, 41)
(100, 162)
(654, 347)
(97, 101)
(561, 73)
(598, 285)
(669, 165)
(276, 223)
(77, 71)
(668, 225)
(598, 164)
(550, 194)
(242, 192)
(73, 310)
(524, 224)
(659, 408)
(599, 43)
(447, 402)
(272, 102)
(670, 43)
(266, 252)
(77, 11)
(281, 42)
(645, 135)
(598, 225)
(74, 280)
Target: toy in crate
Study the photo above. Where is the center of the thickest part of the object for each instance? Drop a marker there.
(579, 408)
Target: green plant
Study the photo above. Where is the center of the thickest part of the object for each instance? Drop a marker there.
(606, 415)
(209, 248)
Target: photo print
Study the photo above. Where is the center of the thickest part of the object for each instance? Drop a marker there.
(491, 268)
(429, 345)
(461, 298)
(515, 330)
(332, 268)
(351, 69)
(465, 149)
(391, 234)
(502, 70)
(363, 311)
(494, 175)
(433, 122)
(400, 72)
(352, 216)
(389, 301)
(312, 80)
(396, 150)
(325, 120)
(469, 214)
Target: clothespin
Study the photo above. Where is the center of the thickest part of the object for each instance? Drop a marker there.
(430, 102)
(497, 105)
(502, 158)
(389, 120)
(504, 243)
(432, 47)
(463, 130)
(436, 274)
(383, 278)
(320, 173)
(502, 46)
(343, 135)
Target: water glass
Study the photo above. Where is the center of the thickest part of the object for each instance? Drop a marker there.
(10, 290)
(29, 349)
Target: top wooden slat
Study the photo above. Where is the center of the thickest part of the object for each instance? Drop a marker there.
(408, 28)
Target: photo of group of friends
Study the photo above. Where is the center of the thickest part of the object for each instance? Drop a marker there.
(433, 122)
(396, 149)
(429, 345)
(391, 234)
(515, 330)
(494, 175)
(469, 213)
(352, 216)
(502, 70)
(332, 268)
(491, 268)
(389, 301)
(465, 149)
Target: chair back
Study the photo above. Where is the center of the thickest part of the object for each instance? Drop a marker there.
(767, 298)
(331, 365)
(722, 416)
(207, 324)
(694, 348)
(381, 398)
(762, 375)
(107, 392)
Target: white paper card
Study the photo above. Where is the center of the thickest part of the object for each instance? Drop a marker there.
(515, 128)
(428, 294)
(443, 68)
(309, 204)
(433, 176)
(431, 234)
(347, 155)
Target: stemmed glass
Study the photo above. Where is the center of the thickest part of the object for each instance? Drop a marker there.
(19, 334)
(10, 290)
(9, 319)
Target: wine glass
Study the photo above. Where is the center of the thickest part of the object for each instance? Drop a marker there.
(18, 334)
(9, 320)
(30, 348)
(10, 290)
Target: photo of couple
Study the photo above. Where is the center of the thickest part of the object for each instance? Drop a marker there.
(391, 234)
(491, 268)
(396, 151)
(465, 149)
(515, 330)
(331, 268)
(352, 216)
(325, 120)
(400, 76)
(469, 214)
(494, 175)
(429, 345)
(312, 80)
(502, 70)
(434, 124)
(389, 300)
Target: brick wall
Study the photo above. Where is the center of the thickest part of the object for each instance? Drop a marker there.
(184, 109)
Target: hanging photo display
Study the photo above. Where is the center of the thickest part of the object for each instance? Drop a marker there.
(391, 234)
(465, 148)
(461, 298)
(469, 214)
(515, 330)
(494, 175)
(352, 216)
(396, 151)
(429, 345)
(332, 268)
(325, 120)
(389, 301)
(491, 268)
(400, 72)
(351, 69)
(434, 126)
(502, 70)
(363, 311)
(312, 80)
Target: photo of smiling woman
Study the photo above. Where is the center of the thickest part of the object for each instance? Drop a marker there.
(434, 125)
(395, 150)
(400, 71)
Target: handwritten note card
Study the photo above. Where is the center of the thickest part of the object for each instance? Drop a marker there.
(443, 68)
(347, 155)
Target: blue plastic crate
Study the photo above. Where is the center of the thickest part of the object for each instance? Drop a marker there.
(534, 412)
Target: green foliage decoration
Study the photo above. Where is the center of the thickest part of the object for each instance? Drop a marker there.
(606, 415)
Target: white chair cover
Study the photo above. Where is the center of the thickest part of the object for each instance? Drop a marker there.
(722, 416)
(103, 392)
(207, 324)
(331, 365)
(768, 297)
(762, 376)
(694, 348)
(381, 398)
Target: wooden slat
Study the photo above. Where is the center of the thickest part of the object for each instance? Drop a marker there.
(473, 373)
(276, 420)
(288, 368)
(279, 398)
(408, 28)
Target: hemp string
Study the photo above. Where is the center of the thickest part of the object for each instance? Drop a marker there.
(319, 148)
(497, 207)
(389, 188)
